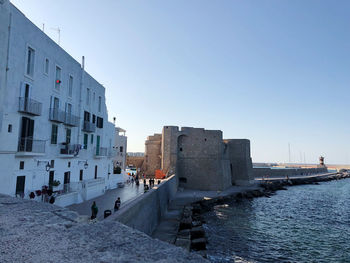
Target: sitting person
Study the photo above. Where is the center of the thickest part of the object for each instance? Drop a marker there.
(117, 204)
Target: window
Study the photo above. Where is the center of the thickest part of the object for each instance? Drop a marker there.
(21, 165)
(85, 141)
(9, 129)
(93, 118)
(99, 103)
(70, 86)
(92, 139)
(52, 164)
(68, 135)
(54, 131)
(46, 66)
(87, 116)
(58, 78)
(93, 97)
(121, 148)
(30, 61)
(68, 164)
(81, 175)
(87, 96)
(99, 122)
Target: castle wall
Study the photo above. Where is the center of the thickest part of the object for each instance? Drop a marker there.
(152, 154)
(169, 149)
(240, 161)
(200, 163)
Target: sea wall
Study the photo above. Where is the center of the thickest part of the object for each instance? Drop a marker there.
(260, 172)
(144, 212)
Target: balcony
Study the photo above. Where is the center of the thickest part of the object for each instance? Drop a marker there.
(112, 153)
(71, 120)
(57, 115)
(100, 152)
(70, 150)
(89, 126)
(30, 147)
(30, 106)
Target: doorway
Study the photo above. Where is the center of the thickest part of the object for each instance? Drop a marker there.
(20, 184)
(51, 179)
(27, 131)
(66, 181)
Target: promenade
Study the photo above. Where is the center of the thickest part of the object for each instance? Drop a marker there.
(106, 201)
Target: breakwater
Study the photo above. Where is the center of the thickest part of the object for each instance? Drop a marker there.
(144, 212)
(282, 172)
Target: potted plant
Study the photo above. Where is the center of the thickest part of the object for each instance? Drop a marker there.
(55, 185)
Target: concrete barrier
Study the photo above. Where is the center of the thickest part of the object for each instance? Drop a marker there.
(144, 212)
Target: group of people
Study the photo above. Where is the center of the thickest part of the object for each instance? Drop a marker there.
(94, 208)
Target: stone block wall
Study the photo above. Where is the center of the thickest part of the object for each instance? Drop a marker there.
(200, 163)
(241, 166)
(152, 154)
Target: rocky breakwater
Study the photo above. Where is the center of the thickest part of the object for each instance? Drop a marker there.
(191, 234)
(31, 231)
(271, 186)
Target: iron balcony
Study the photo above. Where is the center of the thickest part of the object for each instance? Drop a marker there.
(89, 126)
(57, 115)
(30, 145)
(29, 106)
(70, 149)
(101, 152)
(71, 120)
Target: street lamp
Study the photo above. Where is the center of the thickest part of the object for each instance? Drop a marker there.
(86, 165)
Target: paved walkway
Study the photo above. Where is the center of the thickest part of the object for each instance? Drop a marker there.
(106, 201)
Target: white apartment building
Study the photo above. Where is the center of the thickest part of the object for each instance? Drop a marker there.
(53, 118)
(120, 147)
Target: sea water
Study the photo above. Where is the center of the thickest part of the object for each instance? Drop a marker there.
(307, 223)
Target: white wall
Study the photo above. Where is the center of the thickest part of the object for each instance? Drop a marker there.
(25, 34)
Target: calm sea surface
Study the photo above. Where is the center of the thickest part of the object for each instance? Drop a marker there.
(308, 223)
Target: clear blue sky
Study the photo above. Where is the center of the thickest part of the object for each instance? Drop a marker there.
(272, 71)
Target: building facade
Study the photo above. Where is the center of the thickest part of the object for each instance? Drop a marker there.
(120, 145)
(53, 117)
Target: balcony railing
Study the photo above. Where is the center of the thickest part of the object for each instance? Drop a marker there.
(30, 106)
(30, 145)
(71, 120)
(101, 151)
(70, 149)
(89, 126)
(112, 153)
(57, 115)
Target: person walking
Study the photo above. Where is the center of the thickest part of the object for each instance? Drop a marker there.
(117, 204)
(94, 210)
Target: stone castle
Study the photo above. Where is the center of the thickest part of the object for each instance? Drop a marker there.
(201, 158)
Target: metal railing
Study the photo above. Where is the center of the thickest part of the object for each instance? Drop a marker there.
(89, 126)
(57, 115)
(70, 149)
(112, 153)
(30, 106)
(30, 145)
(71, 120)
(101, 151)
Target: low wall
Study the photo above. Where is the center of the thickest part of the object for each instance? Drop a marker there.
(260, 172)
(144, 212)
